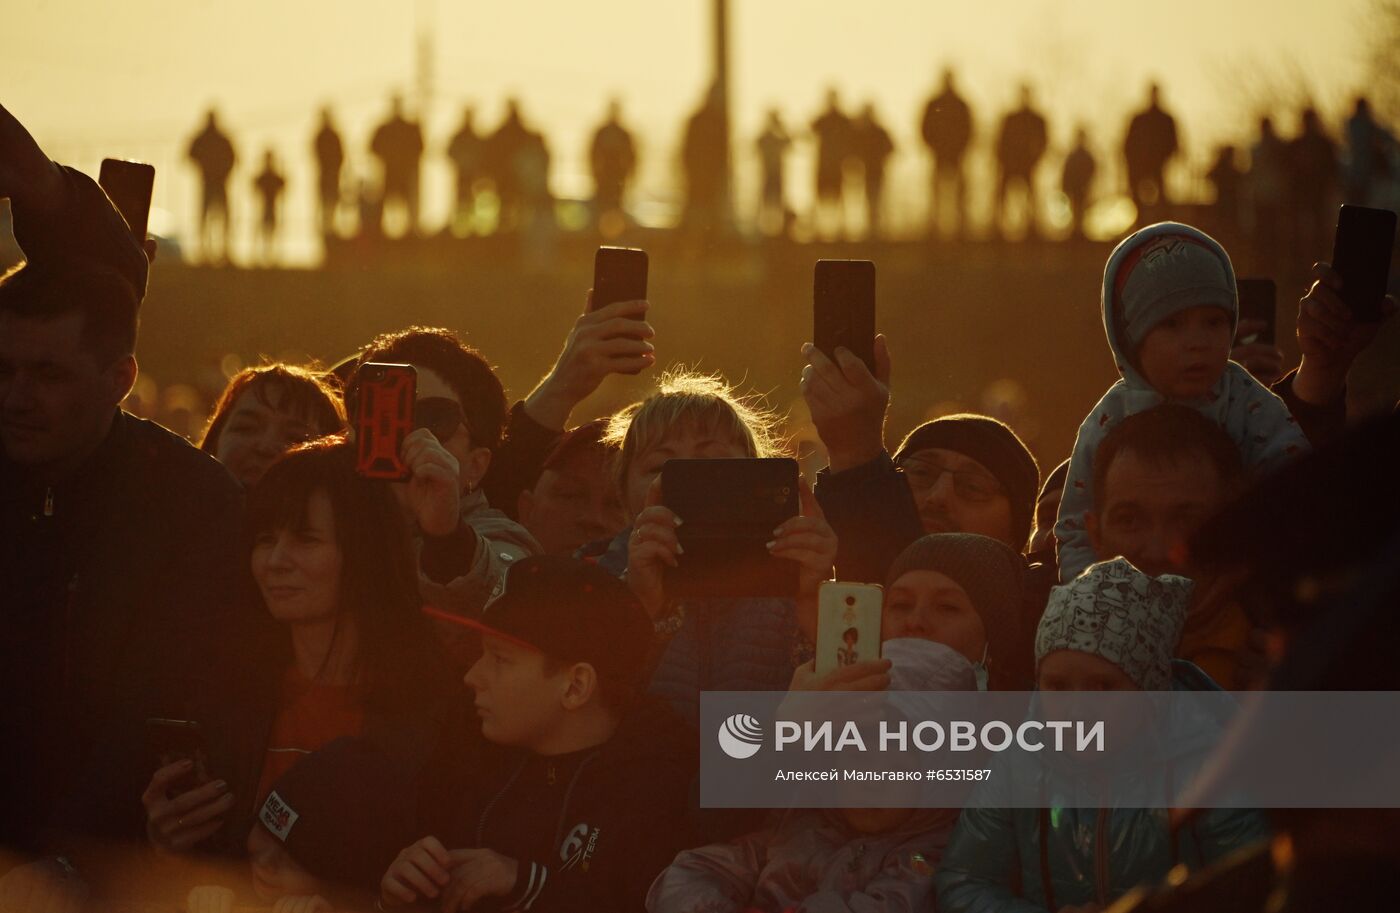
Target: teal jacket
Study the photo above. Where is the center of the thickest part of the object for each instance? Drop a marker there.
(1081, 855)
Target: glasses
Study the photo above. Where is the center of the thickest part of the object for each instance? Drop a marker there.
(440, 415)
(969, 485)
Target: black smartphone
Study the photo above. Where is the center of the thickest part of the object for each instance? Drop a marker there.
(729, 510)
(168, 741)
(383, 418)
(129, 185)
(1361, 252)
(619, 274)
(843, 306)
(1258, 301)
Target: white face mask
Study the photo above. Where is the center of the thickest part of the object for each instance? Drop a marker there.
(979, 669)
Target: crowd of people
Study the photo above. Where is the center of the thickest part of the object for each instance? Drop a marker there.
(1284, 193)
(477, 688)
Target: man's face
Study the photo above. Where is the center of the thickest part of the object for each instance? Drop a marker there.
(956, 494)
(1148, 511)
(518, 702)
(56, 399)
(574, 504)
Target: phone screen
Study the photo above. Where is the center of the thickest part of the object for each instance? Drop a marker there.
(1361, 252)
(843, 305)
(129, 185)
(619, 274)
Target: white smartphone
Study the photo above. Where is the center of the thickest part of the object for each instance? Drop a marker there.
(848, 624)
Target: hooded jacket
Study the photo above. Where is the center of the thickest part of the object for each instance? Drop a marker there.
(1092, 853)
(590, 829)
(811, 861)
(1255, 418)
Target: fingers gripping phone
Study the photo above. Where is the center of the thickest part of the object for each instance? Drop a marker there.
(848, 624)
(843, 306)
(619, 274)
(1361, 252)
(129, 185)
(1259, 301)
(168, 741)
(383, 418)
(729, 509)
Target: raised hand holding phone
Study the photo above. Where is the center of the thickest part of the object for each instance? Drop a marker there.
(652, 547)
(847, 402)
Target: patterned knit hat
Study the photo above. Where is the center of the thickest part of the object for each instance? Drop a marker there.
(1115, 611)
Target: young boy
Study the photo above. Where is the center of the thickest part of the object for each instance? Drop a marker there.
(1169, 310)
(1113, 628)
(577, 792)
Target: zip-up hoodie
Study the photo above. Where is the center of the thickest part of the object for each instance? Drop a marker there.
(590, 829)
(1255, 418)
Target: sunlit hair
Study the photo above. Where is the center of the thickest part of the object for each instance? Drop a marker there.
(686, 400)
(290, 389)
(379, 578)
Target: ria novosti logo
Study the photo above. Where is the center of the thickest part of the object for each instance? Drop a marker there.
(741, 736)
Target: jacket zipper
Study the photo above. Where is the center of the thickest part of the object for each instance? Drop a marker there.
(485, 812)
(1101, 858)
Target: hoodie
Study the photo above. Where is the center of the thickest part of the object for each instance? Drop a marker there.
(1256, 419)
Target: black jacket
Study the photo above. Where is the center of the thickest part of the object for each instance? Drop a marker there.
(591, 830)
(115, 584)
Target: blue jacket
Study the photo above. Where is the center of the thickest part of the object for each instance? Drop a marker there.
(721, 644)
(1089, 854)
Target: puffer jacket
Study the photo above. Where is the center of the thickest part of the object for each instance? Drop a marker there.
(1073, 855)
(719, 645)
(813, 862)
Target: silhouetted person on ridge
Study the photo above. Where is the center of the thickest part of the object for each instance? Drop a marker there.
(330, 160)
(835, 145)
(946, 128)
(1076, 178)
(1314, 182)
(1267, 185)
(269, 185)
(212, 152)
(705, 161)
(532, 176)
(1227, 179)
(398, 144)
(467, 151)
(773, 145)
(1149, 145)
(872, 146)
(1368, 147)
(613, 158)
(1020, 147)
(503, 151)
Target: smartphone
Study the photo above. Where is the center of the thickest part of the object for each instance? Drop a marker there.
(729, 510)
(383, 418)
(1361, 252)
(619, 274)
(843, 306)
(129, 186)
(168, 741)
(1258, 301)
(848, 624)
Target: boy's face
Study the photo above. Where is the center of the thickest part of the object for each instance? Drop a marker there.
(518, 702)
(275, 873)
(1183, 356)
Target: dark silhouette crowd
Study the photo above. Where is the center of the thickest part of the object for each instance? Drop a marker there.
(1277, 190)
(249, 674)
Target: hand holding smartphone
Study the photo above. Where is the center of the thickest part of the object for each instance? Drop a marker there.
(619, 274)
(848, 624)
(383, 418)
(169, 741)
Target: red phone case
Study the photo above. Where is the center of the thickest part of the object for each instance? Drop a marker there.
(384, 418)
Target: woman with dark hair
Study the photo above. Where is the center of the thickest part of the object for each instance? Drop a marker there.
(342, 650)
(265, 410)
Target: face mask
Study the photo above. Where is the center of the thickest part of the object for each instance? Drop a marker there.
(979, 669)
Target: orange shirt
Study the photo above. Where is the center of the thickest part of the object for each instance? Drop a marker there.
(310, 715)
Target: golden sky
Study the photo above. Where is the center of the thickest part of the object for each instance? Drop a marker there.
(131, 78)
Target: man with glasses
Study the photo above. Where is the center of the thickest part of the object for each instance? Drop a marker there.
(959, 473)
(465, 545)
